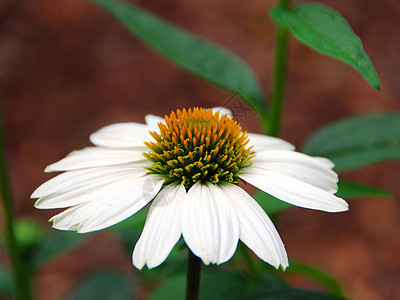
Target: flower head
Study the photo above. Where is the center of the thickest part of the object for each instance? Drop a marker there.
(188, 166)
(198, 145)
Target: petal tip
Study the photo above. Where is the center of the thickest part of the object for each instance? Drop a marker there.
(341, 206)
(136, 264)
(37, 204)
(93, 138)
(50, 168)
(284, 267)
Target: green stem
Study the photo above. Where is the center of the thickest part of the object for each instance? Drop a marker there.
(21, 279)
(193, 276)
(264, 119)
(279, 80)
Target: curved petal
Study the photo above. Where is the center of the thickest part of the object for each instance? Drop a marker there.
(152, 121)
(122, 135)
(263, 142)
(97, 157)
(276, 155)
(75, 187)
(117, 202)
(222, 111)
(327, 162)
(162, 229)
(292, 190)
(256, 229)
(209, 223)
(315, 171)
(65, 220)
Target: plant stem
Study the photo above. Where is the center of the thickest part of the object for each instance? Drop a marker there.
(281, 55)
(193, 276)
(21, 279)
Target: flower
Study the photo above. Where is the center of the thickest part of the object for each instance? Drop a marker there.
(188, 164)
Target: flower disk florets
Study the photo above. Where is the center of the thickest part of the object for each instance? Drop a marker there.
(199, 145)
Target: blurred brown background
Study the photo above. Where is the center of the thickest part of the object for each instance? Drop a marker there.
(68, 69)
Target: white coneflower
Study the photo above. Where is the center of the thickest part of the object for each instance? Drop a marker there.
(188, 164)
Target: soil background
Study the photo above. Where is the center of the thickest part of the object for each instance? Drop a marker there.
(68, 69)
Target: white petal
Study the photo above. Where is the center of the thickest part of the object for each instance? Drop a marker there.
(256, 229)
(327, 162)
(122, 135)
(222, 111)
(162, 229)
(209, 223)
(75, 187)
(65, 220)
(96, 157)
(263, 142)
(152, 121)
(312, 170)
(77, 178)
(293, 156)
(292, 190)
(118, 201)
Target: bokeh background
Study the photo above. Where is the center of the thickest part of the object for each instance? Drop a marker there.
(68, 69)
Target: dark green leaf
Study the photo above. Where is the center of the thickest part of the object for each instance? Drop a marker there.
(173, 289)
(270, 204)
(135, 221)
(129, 230)
(6, 283)
(128, 237)
(325, 30)
(268, 279)
(356, 142)
(192, 53)
(56, 244)
(351, 190)
(174, 264)
(292, 294)
(216, 285)
(105, 285)
(317, 275)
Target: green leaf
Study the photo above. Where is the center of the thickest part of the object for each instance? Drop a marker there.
(325, 30)
(135, 221)
(222, 285)
(173, 265)
(317, 275)
(105, 285)
(194, 54)
(292, 294)
(55, 244)
(129, 230)
(268, 279)
(173, 289)
(351, 190)
(356, 142)
(270, 204)
(6, 283)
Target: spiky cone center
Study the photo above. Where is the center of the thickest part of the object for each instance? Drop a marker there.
(199, 145)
